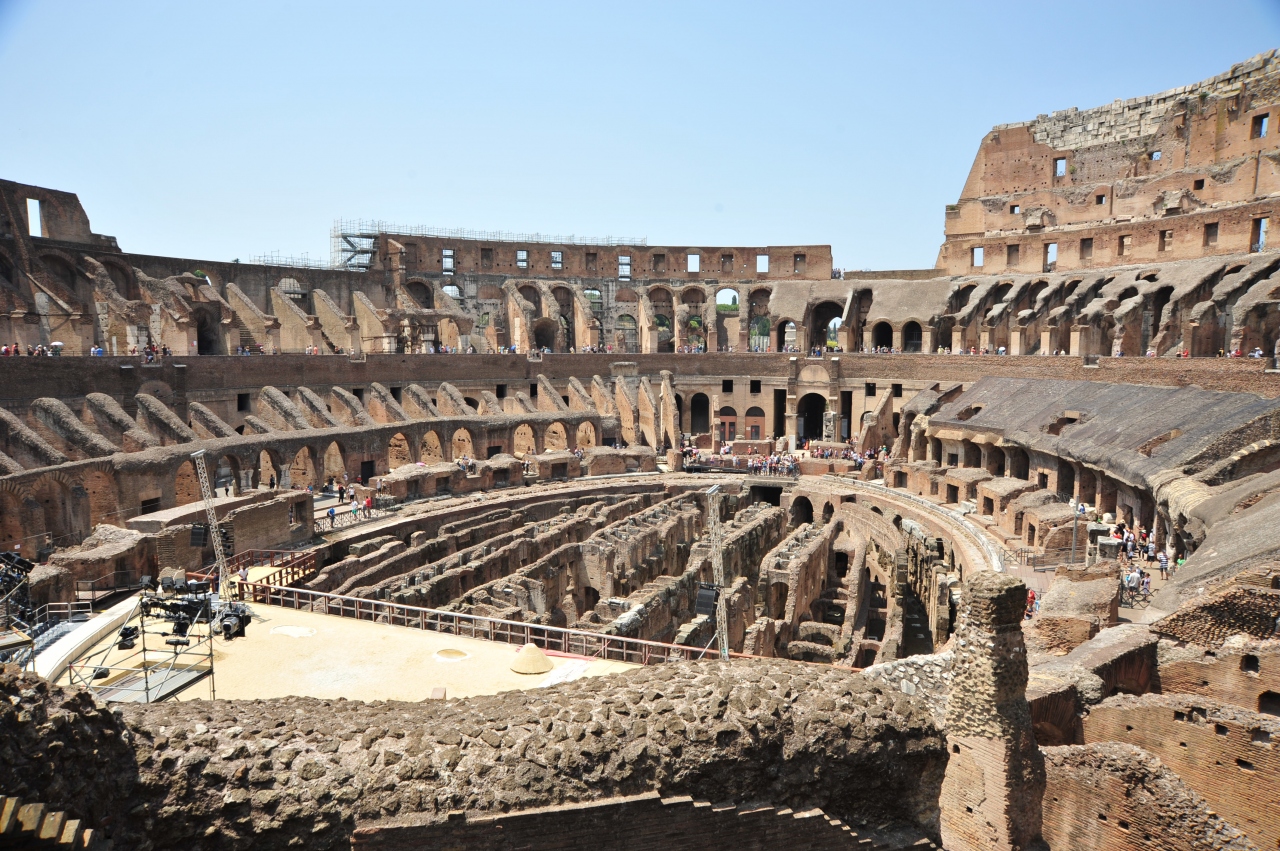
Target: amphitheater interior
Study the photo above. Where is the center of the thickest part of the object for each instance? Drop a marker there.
(773, 530)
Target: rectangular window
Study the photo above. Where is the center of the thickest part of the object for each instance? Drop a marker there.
(1259, 128)
(869, 389)
(500, 391)
(1198, 184)
(590, 261)
(1258, 236)
(798, 264)
(762, 264)
(624, 267)
(1211, 234)
(693, 263)
(533, 391)
(1155, 156)
(897, 391)
(446, 260)
(1050, 256)
(726, 385)
(726, 264)
(1086, 248)
(1100, 200)
(755, 385)
(1011, 255)
(1166, 240)
(658, 263)
(1015, 209)
(34, 226)
(1059, 166)
(242, 402)
(522, 259)
(557, 260)
(1124, 245)
(396, 393)
(486, 258)
(976, 257)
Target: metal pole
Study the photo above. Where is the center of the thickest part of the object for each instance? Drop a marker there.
(1074, 517)
(717, 571)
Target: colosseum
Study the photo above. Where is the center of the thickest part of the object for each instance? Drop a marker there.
(501, 541)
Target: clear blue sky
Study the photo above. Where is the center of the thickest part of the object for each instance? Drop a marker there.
(230, 129)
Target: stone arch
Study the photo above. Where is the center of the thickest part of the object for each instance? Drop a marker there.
(809, 411)
(186, 484)
(825, 319)
(99, 482)
(828, 511)
(463, 444)
(776, 602)
(63, 506)
(269, 466)
(693, 295)
(912, 337)
(555, 438)
(524, 442)
(123, 277)
(586, 435)
(627, 334)
(882, 335)
(12, 530)
(430, 449)
(208, 322)
(453, 291)
(302, 469)
(699, 414)
(399, 451)
(544, 333)
(727, 318)
(755, 426)
(758, 339)
(420, 292)
(728, 424)
(335, 463)
(530, 294)
(801, 511)
(227, 475)
(787, 336)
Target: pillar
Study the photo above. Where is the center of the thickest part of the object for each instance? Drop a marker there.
(994, 784)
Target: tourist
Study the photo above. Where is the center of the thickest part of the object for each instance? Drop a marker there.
(333, 518)
(1163, 559)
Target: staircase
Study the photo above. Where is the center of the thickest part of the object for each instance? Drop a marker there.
(34, 826)
(333, 350)
(245, 339)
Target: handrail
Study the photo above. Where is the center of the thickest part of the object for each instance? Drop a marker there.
(573, 641)
(291, 565)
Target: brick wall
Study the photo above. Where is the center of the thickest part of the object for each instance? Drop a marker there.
(1229, 756)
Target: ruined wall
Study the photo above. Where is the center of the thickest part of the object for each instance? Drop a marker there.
(1226, 754)
(1118, 797)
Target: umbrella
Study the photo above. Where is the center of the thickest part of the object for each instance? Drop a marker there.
(55, 344)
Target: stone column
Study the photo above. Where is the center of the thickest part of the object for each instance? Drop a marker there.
(995, 779)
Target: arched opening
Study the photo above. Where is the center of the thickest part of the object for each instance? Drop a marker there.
(555, 438)
(590, 599)
(544, 334)
(1019, 463)
(586, 435)
(335, 466)
(431, 452)
(824, 325)
(912, 337)
(882, 335)
(462, 444)
(755, 424)
(759, 334)
(268, 470)
(627, 337)
(727, 321)
(226, 479)
(828, 511)
(786, 336)
(302, 470)
(398, 452)
(208, 334)
(58, 506)
(530, 294)
(809, 411)
(693, 295)
(801, 511)
(666, 337)
(523, 441)
(11, 528)
(700, 414)
(422, 294)
(728, 428)
(452, 291)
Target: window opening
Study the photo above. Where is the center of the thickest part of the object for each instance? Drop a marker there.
(869, 389)
(755, 385)
(1015, 209)
(557, 260)
(798, 264)
(590, 261)
(1086, 248)
(726, 385)
(1059, 166)
(1259, 128)
(1198, 184)
(1124, 245)
(624, 267)
(446, 260)
(1100, 200)
(726, 263)
(242, 402)
(762, 264)
(693, 262)
(522, 259)
(1050, 256)
(1166, 240)
(486, 258)
(1155, 156)
(1258, 236)
(976, 257)
(35, 227)
(1211, 234)
(1011, 255)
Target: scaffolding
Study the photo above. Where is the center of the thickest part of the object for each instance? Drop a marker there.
(353, 242)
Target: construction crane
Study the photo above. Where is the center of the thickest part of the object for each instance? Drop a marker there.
(220, 556)
(717, 570)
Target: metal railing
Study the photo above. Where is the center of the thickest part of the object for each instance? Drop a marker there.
(572, 641)
(1047, 560)
(290, 566)
(93, 590)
